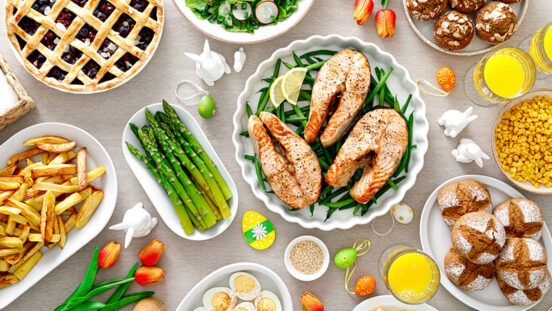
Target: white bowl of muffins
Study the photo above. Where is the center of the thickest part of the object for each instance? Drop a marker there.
(465, 27)
(503, 242)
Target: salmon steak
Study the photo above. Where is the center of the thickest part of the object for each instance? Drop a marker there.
(288, 163)
(340, 89)
(376, 145)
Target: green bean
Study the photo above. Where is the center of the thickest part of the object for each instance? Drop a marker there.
(271, 109)
(248, 109)
(259, 173)
(296, 119)
(339, 203)
(315, 65)
(382, 90)
(311, 207)
(410, 130)
(304, 95)
(292, 112)
(297, 60)
(333, 195)
(405, 106)
(392, 184)
(268, 80)
(299, 129)
(318, 52)
(330, 212)
(276, 72)
(323, 164)
(263, 100)
(380, 84)
(244, 134)
(325, 191)
(348, 206)
(249, 157)
(300, 114)
(288, 65)
(310, 60)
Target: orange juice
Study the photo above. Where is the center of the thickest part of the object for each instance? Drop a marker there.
(504, 75)
(548, 42)
(540, 48)
(410, 275)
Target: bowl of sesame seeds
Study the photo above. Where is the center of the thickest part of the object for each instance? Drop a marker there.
(307, 258)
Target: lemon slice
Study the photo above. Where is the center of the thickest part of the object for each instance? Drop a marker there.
(292, 82)
(276, 94)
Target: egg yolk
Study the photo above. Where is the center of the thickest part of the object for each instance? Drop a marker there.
(266, 304)
(221, 301)
(244, 283)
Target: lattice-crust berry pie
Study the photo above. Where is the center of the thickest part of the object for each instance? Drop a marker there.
(84, 45)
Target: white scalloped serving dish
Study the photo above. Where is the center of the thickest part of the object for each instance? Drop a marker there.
(399, 83)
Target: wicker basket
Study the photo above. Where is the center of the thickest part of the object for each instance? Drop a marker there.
(25, 103)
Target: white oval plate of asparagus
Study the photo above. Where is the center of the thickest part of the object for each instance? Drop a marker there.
(180, 172)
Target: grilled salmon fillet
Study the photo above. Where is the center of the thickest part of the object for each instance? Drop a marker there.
(376, 144)
(341, 85)
(289, 164)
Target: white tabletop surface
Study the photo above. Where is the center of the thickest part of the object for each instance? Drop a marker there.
(186, 262)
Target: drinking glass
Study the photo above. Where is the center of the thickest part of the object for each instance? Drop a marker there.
(499, 77)
(540, 49)
(409, 274)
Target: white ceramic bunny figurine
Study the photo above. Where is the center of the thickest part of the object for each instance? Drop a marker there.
(455, 121)
(137, 222)
(469, 151)
(210, 66)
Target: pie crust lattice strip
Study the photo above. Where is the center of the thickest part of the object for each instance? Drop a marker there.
(84, 45)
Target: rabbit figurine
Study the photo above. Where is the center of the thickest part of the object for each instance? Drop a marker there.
(469, 151)
(455, 121)
(137, 222)
(210, 66)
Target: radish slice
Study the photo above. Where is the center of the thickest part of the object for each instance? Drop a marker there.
(241, 10)
(266, 11)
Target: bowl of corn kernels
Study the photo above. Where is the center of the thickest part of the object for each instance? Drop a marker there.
(522, 141)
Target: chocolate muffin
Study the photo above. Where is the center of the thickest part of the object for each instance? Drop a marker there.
(466, 6)
(426, 10)
(453, 30)
(496, 22)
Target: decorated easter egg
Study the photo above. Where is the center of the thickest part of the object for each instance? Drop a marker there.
(206, 107)
(345, 258)
(365, 285)
(257, 230)
(446, 78)
(402, 213)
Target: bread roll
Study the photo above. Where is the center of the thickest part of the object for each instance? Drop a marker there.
(521, 218)
(464, 197)
(466, 274)
(525, 297)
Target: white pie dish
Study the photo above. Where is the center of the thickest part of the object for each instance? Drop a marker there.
(269, 280)
(390, 303)
(261, 34)
(157, 194)
(399, 83)
(76, 239)
(432, 225)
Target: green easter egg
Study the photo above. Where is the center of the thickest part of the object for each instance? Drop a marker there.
(206, 107)
(345, 258)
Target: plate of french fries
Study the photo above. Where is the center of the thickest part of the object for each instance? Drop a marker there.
(58, 189)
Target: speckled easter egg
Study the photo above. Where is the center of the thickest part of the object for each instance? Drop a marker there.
(402, 213)
(257, 230)
(365, 285)
(345, 258)
(446, 78)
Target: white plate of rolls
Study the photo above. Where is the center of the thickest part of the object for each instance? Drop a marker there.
(481, 233)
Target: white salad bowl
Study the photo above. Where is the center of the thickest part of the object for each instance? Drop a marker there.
(76, 239)
(220, 278)
(155, 191)
(261, 34)
(399, 83)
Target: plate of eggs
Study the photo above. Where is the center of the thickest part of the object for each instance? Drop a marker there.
(239, 287)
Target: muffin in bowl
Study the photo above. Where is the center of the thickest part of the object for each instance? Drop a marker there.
(453, 31)
(496, 22)
(466, 6)
(426, 10)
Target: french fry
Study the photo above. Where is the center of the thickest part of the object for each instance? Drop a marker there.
(44, 158)
(63, 157)
(26, 172)
(55, 187)
(8, 170)
(7, 210)
(62, 235)
(81, 164)
(56, 148)
(24, 155)
(9, 251)
(4, 266)
(9, 185)
(10, 227)
(54, 170)
(70, 223)
(47, 216)
(8, 280)
(27, 266)
(37, 237)
(11, 242)
(70, 211)
(25, 233)
(19, 195)
(4, 195)
(56, 233)
(30, 252)
(12, 179)
(73, 199)
(92, 175)
(30, 162)
(88, 208)
(14, 259)
(45, 140)
(26, 210)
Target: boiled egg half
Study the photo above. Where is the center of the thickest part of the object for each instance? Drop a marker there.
(268, 301)
(245, 285)
(245, 306)
(219, 299)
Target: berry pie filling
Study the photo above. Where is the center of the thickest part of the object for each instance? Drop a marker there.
(91, 69)
(126, 62)
(107, 49)
(103, 10)
(124, 25)
(50, 40)
(36, 58)
(57, 73)
(43, 6)
(80, 3)
(139, 5)
(71, 55)
(145, 36)
(87, 34)
(65, 18)
(28, 25)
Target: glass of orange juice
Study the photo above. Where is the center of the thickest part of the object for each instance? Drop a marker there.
(500, 77)
(540, 49)
(409, 274)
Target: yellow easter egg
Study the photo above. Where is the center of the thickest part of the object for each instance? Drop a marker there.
(257, 230)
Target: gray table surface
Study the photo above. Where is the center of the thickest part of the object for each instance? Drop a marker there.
(186, 262)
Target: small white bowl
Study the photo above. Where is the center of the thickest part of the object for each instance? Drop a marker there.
(299, 275)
